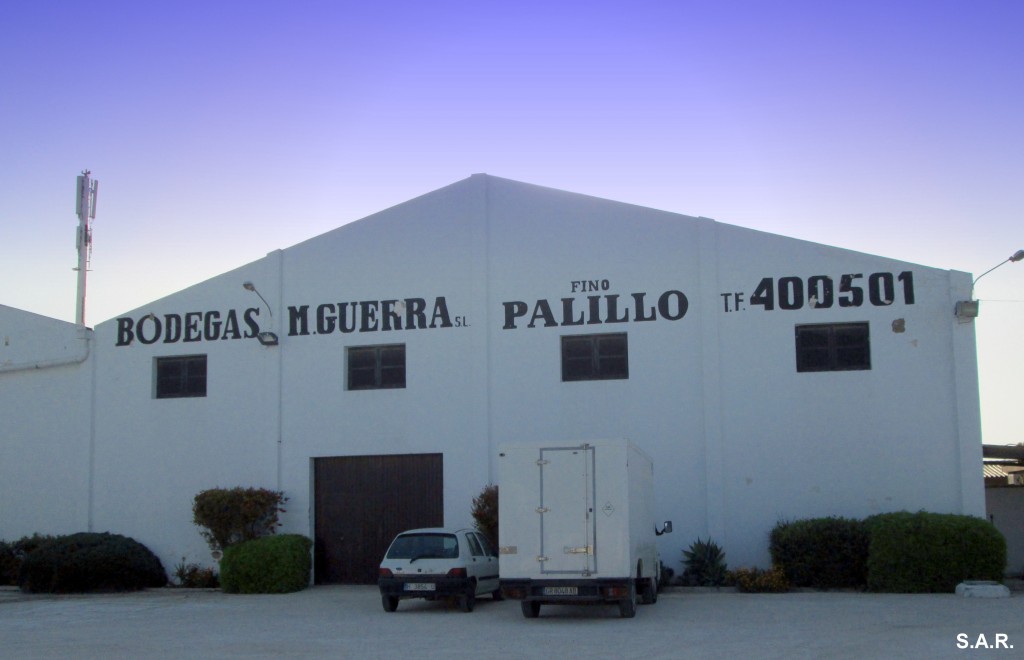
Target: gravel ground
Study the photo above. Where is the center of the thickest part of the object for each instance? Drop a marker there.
(348, 622)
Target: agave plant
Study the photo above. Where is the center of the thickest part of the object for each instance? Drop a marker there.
(704, 564)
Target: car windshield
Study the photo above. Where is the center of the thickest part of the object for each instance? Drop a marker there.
(424, 546)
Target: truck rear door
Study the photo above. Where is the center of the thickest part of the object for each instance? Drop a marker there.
(567, 483)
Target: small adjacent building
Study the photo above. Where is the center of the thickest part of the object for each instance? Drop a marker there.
(371, 373)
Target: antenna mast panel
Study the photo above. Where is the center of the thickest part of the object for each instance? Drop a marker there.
(85, 207)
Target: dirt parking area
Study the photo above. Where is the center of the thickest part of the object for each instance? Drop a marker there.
(349, 622)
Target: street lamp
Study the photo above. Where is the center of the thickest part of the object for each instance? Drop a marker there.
(266, 337)
(968, 309)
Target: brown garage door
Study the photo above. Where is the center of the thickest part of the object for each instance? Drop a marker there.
(362, 502)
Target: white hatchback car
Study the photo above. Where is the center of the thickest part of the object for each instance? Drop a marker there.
(438, 563)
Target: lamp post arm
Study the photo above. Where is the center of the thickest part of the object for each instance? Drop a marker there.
(1016, 256)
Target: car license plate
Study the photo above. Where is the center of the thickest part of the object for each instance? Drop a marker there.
(420, 586)
(561, 591)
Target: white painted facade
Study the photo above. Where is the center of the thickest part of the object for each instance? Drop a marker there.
(739, 438)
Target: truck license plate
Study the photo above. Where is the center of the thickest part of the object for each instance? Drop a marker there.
(561, 591)
(420, 586)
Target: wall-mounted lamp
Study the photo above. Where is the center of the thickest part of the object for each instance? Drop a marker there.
(249, 286)
(266, 338)
(966, 310)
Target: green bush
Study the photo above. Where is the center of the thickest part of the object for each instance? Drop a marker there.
(12, 554)
(825, 553)
(485, 514)
(704, 564)
(665, 579)
(932, 553)
(27, 544)
(90, 562)
(756, 580)
(9, 564)
(194, 576)
(270, 565)
(234, 515)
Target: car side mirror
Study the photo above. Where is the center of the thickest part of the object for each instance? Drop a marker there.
(665, 529)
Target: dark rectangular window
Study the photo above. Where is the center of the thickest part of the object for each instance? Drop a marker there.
(833, 347)
(595, 357)
(179, 377)
(376, 367)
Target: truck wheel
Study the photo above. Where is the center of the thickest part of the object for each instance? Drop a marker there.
(531, 608)
(468, 599)
(649, 592)
(627, 606)
(390, 603)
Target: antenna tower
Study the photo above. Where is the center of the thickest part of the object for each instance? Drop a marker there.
(85, 206)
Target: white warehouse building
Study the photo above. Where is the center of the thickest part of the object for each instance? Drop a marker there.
(372, 372)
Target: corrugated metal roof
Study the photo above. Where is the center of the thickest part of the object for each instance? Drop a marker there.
(1002, 470)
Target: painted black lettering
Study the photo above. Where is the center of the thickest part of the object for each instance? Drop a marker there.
(192, 330)
(254, 327)
(764, 294)
(390, 319)
(415, 313)
(850, 295)
(368, 311)
(140, 329)
(819, 290)
(613, 311)
(639, 313)
(172, 328)
(542, 311)
(513, 310)
(880, 289)
(125, 335)
(230, 326)
(440, 312)
(907, 277)
(672, 312)
(791, 293)
(347, 321)
(325, 319)
(211, 326)
(568, 313)
(298, 321)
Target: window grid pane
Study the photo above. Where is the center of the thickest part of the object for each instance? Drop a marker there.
(376, 367)
(181, 377)
(595, 357)
(833, 347)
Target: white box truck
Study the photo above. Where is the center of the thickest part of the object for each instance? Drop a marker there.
(576, 525)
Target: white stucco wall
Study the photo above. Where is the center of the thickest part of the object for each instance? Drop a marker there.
(739, 439)
(45, 419)
(1005, 508)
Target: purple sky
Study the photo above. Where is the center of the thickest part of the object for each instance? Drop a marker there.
(222, 131)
